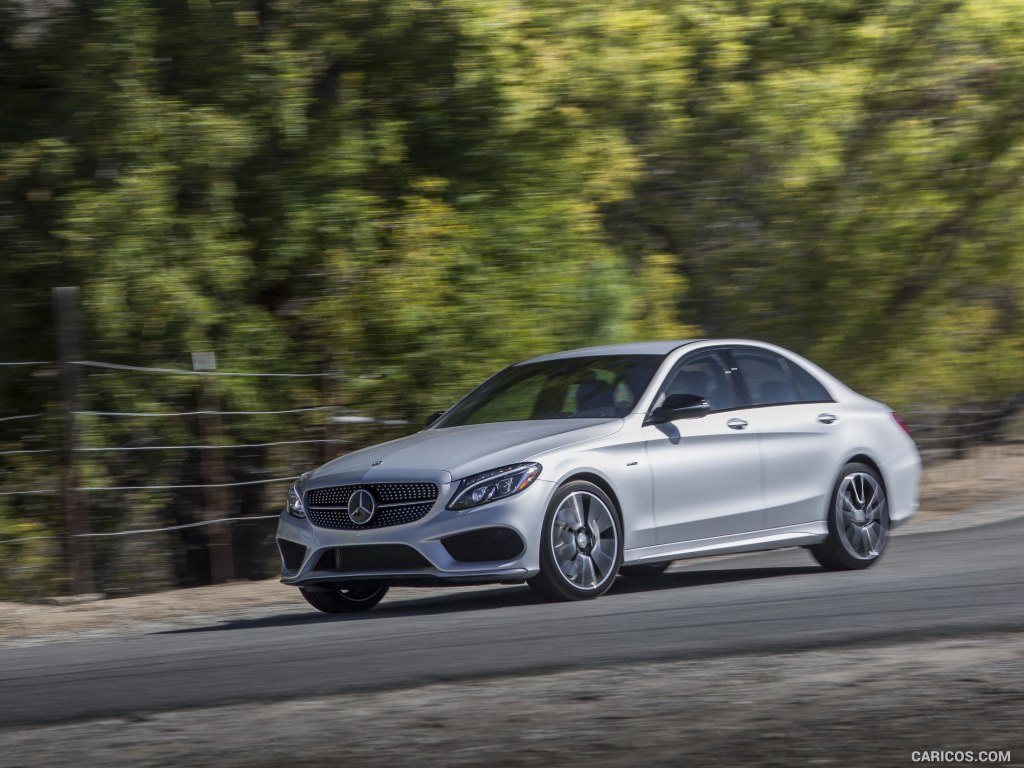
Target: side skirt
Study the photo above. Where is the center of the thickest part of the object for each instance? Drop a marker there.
(774, 538)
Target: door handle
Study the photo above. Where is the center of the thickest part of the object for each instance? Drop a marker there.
(736, 424)
(827, 418)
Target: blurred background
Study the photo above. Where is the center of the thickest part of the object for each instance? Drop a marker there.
(369, 206)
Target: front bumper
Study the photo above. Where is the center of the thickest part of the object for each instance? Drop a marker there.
(523, 514)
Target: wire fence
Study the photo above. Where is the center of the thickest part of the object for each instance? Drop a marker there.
(966, 436)
(184, 499)
(184, 372)
(956, 433)
(141, 531)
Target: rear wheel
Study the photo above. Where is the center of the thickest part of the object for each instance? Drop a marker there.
(645, 571)
(348, 599)
(581, 545)
(858, 521)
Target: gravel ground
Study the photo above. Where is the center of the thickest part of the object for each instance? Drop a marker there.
(854, 706)
(988, 475)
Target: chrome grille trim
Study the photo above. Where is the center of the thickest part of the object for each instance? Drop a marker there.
(397, 504)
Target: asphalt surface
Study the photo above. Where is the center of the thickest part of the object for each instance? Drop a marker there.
(928, 585)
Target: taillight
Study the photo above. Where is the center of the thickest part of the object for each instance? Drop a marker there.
(901, 422)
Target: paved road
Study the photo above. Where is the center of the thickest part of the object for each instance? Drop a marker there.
(928, 585)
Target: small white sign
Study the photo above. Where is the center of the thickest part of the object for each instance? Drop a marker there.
(204, 361)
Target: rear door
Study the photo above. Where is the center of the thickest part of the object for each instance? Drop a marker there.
(799, 426)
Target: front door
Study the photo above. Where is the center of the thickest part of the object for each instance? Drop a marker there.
(706, 471)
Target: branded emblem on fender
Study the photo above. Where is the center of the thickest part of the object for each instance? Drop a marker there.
(361, 507)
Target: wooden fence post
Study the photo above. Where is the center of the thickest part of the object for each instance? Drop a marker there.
(76, 516)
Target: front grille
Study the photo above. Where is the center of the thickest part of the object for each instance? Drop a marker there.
(397, 504)
(292, 554)
(484, 546)
(383, 518)
(385, 493)
(372, 557)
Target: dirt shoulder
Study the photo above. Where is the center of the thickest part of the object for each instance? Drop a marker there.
(985, 488)
(990, 474)
(871, 705)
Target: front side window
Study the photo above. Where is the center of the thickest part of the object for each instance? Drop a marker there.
(572, 388)
(702, 374)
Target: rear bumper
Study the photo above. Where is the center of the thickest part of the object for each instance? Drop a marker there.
(903, 480)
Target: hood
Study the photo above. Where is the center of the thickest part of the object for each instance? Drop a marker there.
(461, 451)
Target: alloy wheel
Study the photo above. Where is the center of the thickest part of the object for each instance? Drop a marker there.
(584, 540)
(860, 515)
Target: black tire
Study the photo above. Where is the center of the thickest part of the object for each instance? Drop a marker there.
(589, 542)
(645, 571)
(858, 521)
(349, 599)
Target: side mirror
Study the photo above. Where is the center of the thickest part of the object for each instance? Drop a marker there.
(432, 418)
(682, 406)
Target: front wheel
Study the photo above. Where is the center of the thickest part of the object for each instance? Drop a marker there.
(581, 544)
(858, 521)
(347, 599)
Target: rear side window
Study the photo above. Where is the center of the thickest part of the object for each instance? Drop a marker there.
(766, 377)
(808, 388)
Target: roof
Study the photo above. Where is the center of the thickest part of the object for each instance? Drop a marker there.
(637, 348)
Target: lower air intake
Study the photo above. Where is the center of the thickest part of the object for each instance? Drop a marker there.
(372, 557)
(293, 554)
(486, 545)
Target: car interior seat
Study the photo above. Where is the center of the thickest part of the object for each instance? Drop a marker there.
(594, 395)
(776, 391)
(691, 383)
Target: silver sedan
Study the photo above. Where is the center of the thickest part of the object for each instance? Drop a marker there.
(567, 470)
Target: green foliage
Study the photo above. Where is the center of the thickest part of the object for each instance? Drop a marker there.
(848, 183)
(429, 191)
(27, 562)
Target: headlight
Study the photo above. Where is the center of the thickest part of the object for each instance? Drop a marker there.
(295, 506)
(497, 484)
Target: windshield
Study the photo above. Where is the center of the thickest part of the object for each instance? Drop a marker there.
(571, 388)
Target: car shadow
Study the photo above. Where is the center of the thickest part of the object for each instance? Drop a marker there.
(691, 577)
(503, 597)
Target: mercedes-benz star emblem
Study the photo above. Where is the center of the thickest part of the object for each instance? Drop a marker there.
(361, 506)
